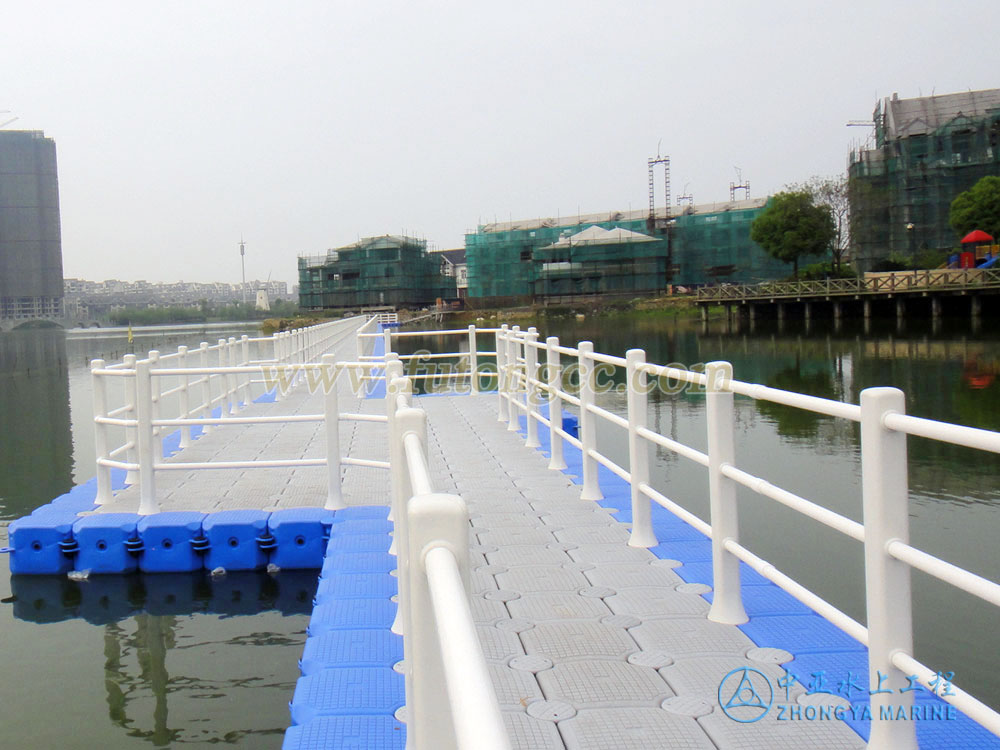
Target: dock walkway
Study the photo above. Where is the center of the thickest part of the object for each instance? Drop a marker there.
(589, 643)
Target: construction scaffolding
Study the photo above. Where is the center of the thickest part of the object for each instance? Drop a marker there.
(389, 271)
(926, 151)
(623, 252)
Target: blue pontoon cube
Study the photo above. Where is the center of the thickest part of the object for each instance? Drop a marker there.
(232, 539)
(170, 542)
(102, 538)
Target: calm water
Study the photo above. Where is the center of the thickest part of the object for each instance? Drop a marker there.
(126, 661)
(955, 498)
(180, 661)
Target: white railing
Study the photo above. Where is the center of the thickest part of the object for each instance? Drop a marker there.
(885, 533)
(222, 377)
(450, 700)
(471, 357)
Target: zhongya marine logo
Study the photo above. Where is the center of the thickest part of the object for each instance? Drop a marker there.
(746, 695)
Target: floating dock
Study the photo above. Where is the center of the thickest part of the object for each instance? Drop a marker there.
(588, 642)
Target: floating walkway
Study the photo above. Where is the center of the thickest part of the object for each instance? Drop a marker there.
(588, 642)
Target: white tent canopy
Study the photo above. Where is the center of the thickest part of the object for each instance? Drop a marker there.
(595, 235)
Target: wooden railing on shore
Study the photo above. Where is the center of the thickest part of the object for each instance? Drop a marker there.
(942, 279)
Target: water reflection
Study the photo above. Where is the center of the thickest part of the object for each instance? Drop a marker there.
(148, 627)
(35, 436)
(110, 598)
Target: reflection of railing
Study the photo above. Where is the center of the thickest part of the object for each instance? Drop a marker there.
(142, 417)
(525, 383)
(887, 283)
(450, 699)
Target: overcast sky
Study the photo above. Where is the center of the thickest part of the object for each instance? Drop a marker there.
(304, 125)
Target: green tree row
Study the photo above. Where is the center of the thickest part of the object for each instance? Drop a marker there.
(201, 314)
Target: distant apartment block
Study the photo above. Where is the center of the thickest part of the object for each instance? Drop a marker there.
(925, 152)
(374, 272)
(31, 280)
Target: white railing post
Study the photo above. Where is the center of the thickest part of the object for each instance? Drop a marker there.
(205, 412)
(280, 367)
(331, 412)
(406, 421)
(434, 521)
(473, 362)
(397, 386)
(223, 381)
(501, 347)
(231, 378)
(885, 502)
(513, 369)
(553, 375)
(156, 388)
(387, 339)
(244, 377)
(727, 602)
(588, 423)
(131, 437)
(637, 390)
(300, 353)
(531, 400)
(144, 434)
(100, 389)
(185, 401)
(393, 370)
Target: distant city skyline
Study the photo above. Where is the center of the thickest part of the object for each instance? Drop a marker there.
(304, 126)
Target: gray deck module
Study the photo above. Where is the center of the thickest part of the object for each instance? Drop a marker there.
(591, 643)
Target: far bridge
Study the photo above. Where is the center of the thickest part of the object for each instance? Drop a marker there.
(929, 292)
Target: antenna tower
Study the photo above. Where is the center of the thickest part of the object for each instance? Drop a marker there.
(651, 163)
(243, 263)
(739, 185)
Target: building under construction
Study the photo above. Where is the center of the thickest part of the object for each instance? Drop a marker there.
(31, 275)
(925, 152)
(374, 272)
(624, 253)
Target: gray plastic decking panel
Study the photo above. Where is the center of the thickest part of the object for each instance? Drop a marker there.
(595, 617)
(635, 729)
(585, 636)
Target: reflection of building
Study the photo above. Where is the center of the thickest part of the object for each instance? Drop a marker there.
(31, 282)
(926, 151)
(36, 443)
(389, 271)
(618, 253)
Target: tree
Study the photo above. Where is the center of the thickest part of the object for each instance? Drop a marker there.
(977, 208)
(832, 192)
(792, 226)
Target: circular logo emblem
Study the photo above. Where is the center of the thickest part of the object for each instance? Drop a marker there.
(746, 695)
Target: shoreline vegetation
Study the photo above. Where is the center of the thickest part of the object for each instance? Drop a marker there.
(652, 307)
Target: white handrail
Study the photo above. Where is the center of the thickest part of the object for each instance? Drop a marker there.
(470, 691)
(145, 394)
(888, 555)
(451, 703)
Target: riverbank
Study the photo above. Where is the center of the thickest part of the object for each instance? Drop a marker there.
(652, 308)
